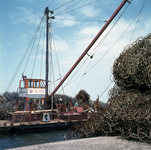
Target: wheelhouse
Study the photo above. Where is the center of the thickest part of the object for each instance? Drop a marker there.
(32, 88)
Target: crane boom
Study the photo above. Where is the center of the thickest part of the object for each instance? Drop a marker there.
(89, 46)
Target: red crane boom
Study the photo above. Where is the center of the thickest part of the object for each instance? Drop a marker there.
(89, 46)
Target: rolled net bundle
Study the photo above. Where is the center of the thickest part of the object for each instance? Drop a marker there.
(132, 69)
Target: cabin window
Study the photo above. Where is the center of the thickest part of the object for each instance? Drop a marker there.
(30, 83)
(42, 84)
(36, 84)
(22, 84)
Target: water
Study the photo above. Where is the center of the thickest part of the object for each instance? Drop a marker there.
(7, 141)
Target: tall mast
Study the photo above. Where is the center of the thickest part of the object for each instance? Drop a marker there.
(47, 55)
(47, 11)
(89, 46)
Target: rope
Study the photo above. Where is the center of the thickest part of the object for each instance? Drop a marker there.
(80, 65)
(137, 20)
(82, 77)
(79, 20)
(77, 8)
(99, 44)
(21, 61)
(69, 7)
(105, 89)
(115, 42)
(42, 52)
(36, 52)
(62, 5)
(56, 57)
(33, 39)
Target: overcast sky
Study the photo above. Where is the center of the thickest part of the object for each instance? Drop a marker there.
(19, 20)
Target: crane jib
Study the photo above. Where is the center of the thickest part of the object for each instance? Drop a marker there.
(89, 46)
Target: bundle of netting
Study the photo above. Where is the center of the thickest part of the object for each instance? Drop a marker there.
(127, 114)
(130, 114)
(132, 69)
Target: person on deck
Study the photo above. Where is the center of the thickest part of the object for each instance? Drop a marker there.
(76, 104)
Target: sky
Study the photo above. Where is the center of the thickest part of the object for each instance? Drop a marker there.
(73, 28)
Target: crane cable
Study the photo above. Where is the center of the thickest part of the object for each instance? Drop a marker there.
(137, 20)
(81, 78)
(115, 42)
(99, 44)
(130, 42)
(96, 48)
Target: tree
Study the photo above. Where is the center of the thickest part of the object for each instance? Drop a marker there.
(82, 97)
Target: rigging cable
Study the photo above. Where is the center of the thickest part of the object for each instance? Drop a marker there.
(105, 89)
(115, 42)
(68, 7)
(36, 52)
(80, 66)
(34, 39)
(79, 20)
(56, 57)
(137, 21)
(42, 50)
(82, 77)
(101, 43)
(62, 5)
(22, 59)
(77, 8)
(112, 46)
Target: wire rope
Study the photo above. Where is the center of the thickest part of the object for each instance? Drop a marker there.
(100, 42)
(81, 78)
(105, 89)
(42, 50)
(114, 43)
(22, 59)
(34, 39)
(79, 20)
(56, 56)
(63, 5)
(68, 8)
(137, 21)
(36, 52)
(77, 8)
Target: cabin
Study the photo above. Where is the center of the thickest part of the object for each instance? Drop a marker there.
(32, 89)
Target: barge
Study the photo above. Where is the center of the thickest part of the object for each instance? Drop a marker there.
(32, 90)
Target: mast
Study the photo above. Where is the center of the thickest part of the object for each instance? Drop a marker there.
(90, 45)
(47, 53)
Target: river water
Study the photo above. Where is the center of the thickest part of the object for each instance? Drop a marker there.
(12, 141)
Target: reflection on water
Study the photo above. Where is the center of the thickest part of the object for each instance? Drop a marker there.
(7, 141)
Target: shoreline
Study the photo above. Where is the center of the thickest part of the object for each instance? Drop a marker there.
(97, 143)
